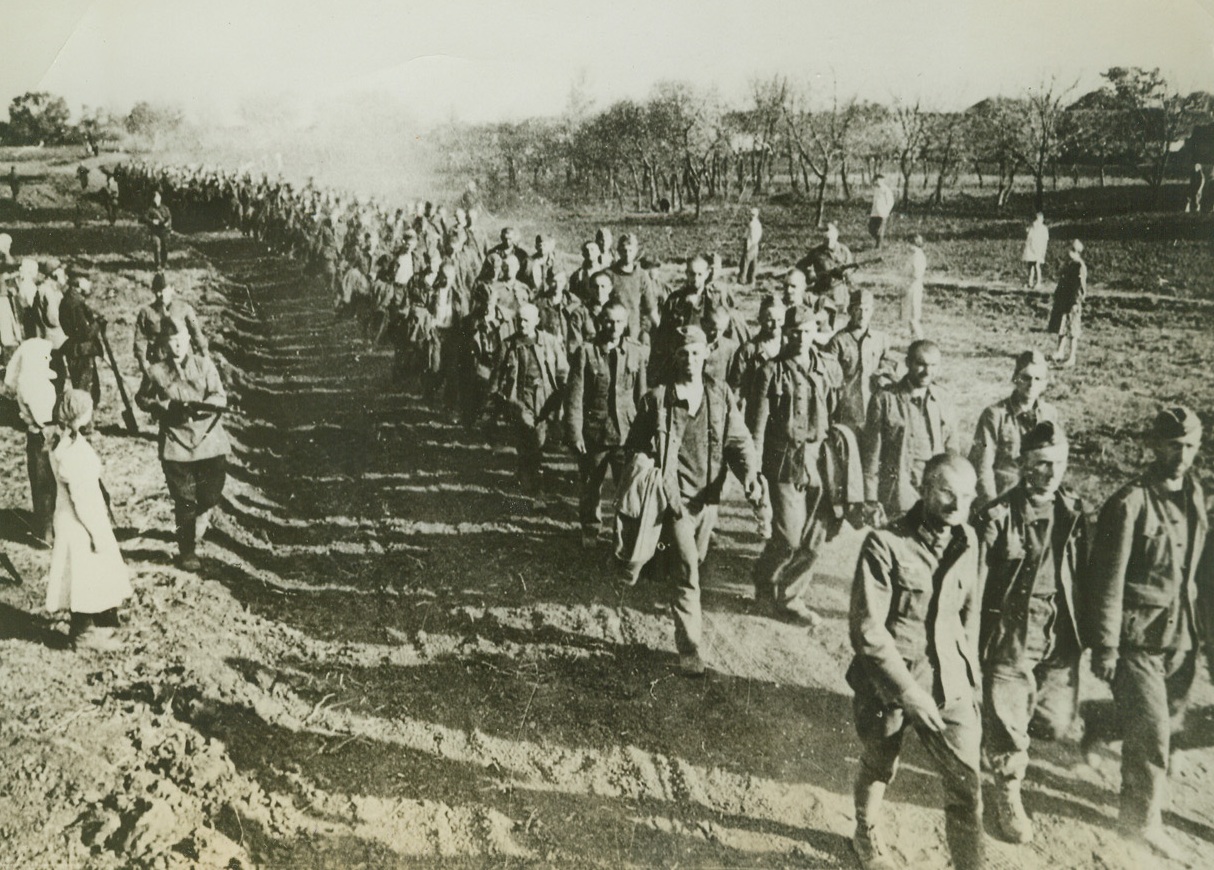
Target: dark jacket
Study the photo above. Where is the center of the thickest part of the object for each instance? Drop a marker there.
(914, 617)
(1009, 577)
(729, 444)
(1137, 583)
(594, 414)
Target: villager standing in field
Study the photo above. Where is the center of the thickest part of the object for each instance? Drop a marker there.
(912, 297)
(31, 381)
(160, 222)
(1034, 540)
(1036, 243)
(914, 620)
(995, 453)
(1148, 611)
(1066, 317)
(692, 430)
(183, 393)
(908, 423)
(87, 575)
(882, 210)
(749, 261)
(1197, 184)
(607, 378)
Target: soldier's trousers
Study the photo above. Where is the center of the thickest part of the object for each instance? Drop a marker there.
(42, 484)
(160, 250)
(1036, 696)
(1150, 695)
(195, 488)
(955, 753)
(786, 566)
(592, 471)
(685, 540)
(529, 440)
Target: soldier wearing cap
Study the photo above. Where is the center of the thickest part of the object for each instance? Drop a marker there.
(908, 423)
(829, 263)
(995, 452)
(160, 222)
(607, 378)
(529, 384)
(83, 327)
(692, 429)
(150, 317)
(914, 629)
(183, 393)
(793, 415)
(864, 356)
(1147, 613)
(1034, 540)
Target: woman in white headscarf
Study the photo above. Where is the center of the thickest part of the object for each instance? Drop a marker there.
(87, 575)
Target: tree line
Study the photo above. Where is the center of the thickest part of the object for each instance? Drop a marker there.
(684, 146)
(41, 118)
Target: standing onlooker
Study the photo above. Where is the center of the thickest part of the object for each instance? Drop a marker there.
(87, 575)
(1036, 241)
(883, 207)
(1197, 183)
(1147, 613)
(30, 379)
(912, 298)
(1066, 318)
(749, 260)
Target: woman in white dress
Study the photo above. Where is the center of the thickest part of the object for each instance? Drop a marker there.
(87, 575)
(1036, 241)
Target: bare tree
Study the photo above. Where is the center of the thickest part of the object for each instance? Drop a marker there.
(910, 130)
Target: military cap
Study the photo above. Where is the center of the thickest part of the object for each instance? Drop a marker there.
(691, 335)
(158, 282)
(1176, 424)
(801, 316)
(1031, 359)
(1047, 439)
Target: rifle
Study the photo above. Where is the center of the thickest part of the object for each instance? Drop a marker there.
(128, 413)
(7, 564)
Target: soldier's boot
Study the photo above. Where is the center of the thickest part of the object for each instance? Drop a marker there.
(1013, 822)
(867, 843)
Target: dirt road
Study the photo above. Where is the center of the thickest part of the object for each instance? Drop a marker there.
(389, 659)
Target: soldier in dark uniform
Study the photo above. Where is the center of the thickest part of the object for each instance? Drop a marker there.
(83, 327)
(160, 222)
(1034, 540)
(607, 378)
(528, 385)
(829, 264)
(914, 628)
(1149, 609)
(793, 417)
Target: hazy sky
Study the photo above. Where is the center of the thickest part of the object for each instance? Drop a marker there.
(487, 59)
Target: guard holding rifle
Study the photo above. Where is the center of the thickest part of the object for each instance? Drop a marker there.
(183, 393)
(829, 264)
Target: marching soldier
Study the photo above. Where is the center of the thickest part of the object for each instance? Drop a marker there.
(607, 379)
(160, 222)
(1034, 539)
(148, 324)
(914, 628)
(863, 354)
(1148, 610)
(794, 416)
(996, 449)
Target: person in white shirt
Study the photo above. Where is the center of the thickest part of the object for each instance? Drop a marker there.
(883, 207)
(912, 299)
(30, 380)
(1036, 240)
(749, 260)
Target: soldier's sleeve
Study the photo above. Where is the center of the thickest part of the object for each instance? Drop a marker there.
(871, 444)
(641, 434)
(1106, 573)
(738, 446)
(642, 379)
(140, 342)
(758, 407)
(215, 393)
(196, 334)
(982, 455)
(574, 397)
(150, 397)
(871, 598)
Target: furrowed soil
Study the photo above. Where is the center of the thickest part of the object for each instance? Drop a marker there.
(391, 660)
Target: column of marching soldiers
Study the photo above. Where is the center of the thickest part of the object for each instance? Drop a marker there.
(981, 581)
